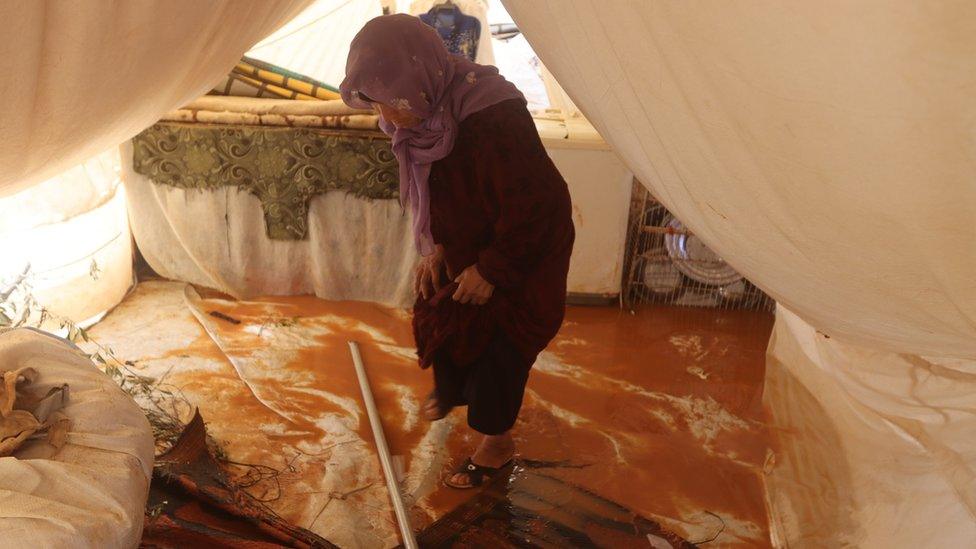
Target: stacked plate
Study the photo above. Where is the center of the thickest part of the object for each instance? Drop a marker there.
(690, 256)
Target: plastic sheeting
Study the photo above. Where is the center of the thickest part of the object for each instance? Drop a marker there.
(79, 77)
(316, 43)
(823, 149)
(92, 493)
(514, 59)
(873, 449)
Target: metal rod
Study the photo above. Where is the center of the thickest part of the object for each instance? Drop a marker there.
(651, 229)
(392, 486)
(663, 257)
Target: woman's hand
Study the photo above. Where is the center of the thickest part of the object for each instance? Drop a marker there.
(428, 278)
(472, 287)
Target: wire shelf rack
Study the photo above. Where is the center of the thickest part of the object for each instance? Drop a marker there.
(667, 264)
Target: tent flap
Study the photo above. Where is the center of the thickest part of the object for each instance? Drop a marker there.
(818, 148)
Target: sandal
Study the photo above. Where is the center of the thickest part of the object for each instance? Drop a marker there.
(442, 410)
(476, 474)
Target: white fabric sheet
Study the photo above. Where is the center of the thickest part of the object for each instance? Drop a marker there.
(873, 449)
(824, 149)
(355, 249)
(79, 77)
(92, 493)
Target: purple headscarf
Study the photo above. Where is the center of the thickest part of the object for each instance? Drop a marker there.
(400, 61)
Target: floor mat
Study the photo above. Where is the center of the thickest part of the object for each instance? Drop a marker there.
(524, 507)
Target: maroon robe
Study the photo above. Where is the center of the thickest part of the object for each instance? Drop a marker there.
(498, 202)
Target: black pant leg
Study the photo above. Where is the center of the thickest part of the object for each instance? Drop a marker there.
(449, 380)
(495, 386)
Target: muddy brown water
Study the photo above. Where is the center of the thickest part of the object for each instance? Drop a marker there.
(658, 412)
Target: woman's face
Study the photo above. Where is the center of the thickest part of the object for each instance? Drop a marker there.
(400, 119)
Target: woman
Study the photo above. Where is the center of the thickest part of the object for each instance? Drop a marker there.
(491, 217)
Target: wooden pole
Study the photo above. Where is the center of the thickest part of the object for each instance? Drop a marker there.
(392, 486)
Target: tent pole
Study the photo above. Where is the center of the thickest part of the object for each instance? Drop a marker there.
(392, 486)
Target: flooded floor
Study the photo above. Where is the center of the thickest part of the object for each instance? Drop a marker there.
(659, 412)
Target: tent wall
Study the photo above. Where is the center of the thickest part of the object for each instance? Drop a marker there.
(73, 233)
(873, 448)
(80, 78)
